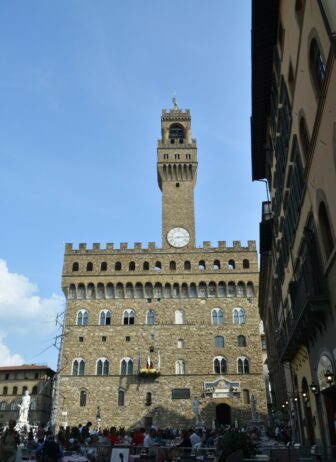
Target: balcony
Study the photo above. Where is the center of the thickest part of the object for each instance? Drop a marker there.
(307, 318)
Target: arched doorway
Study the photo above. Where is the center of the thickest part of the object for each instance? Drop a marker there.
(223, 414)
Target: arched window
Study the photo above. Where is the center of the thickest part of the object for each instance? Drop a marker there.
(184, 290)
(82, 398)
(221, 289)
(138, 290)
(158, 290)
(240, 289)
(126, 366)
(78, 366)
(91, 293)
(82, 318)
(119, 290)
(187, 265)
(103, 266)
(150, 318)
(192, 290)
(5, 391)
(243, 366)
(102, 367)
(326, 234)
(219, 365)
(89, 266)
(219, 341)
(121, 398)
(105, 318)
(216, 265)
(231, 265)
(131, 266)
(75, 266)
(109, 290)
(231, 289)
(172, 265)
(316, 65)
(241, 341)
(180, 367)
(81, 293)
(146, 266)
(128, 317)
(212, 289)
(15, 390)
(176, 133)
(3, 406)
(304, 137)
(176, 290)
(249, 290)
(238, 316)
(217, 316)
(148, 290)
(34, 390)
(100, 290)
(179, 317)
(167, 291)
(158, 266)
(180, 343)
(148, 398)
(13, 406)
(202, 289)
(246, 396)
(246, 264)
(129, 293)
(72, 291)
(117, 266)
(201, 265)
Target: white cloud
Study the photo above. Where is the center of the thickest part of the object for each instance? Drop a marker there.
(27, 319)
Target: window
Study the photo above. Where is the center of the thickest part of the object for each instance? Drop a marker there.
(82, 398)
(146, 266)
(105, 318)
(117, 266)
(238, 316)
(304, 137)
(216, 265)
(148, 290)
(127, 338)
(326, 234)
(7, 376)
(91, 291)
(121, 398)
(172, 265)
(104, 338)
(81, 291)
(246, 264)
(177, 156)
(167, 291)
(241, 341)
(150, 317)
(82, 318)
(100, 290)
(148, 398)
(109, 290)
(219, 365)
(78, 366)
(187, 265)
(158, 266)
(263, 344)
(131, 266)
(165, 156)
(202, 289)
(13, 406)
(184, 290)
(176, 132)
(212, 290)
(180, 343)
(249, 290)
(221, 289)
(119, 290)
(138, 290)
(103, 266)
(316, 65)
(219, 341)
(158, 293)
(89, 266)
(217, 316)
(126, 366)
(177, 185)
(246, 396)
(128, 317)
(176, 290)
(243, 365)
(231, 289)
(180, 367)
(192, 290)
(201, 265)
(129, 293)
(15, 390)
(3, 406)
(34, 390)
(240, 289)
(179, 317)
(188, 156)
(72, 291)
(231, 265)
(102, 367)
(75, 266)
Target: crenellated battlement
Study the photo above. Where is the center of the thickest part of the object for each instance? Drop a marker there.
(152, 247)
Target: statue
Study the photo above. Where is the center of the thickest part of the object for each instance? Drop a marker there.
(197, 411)
(24, 407)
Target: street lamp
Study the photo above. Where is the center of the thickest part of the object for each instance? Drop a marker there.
(329, 376)
(314, 388)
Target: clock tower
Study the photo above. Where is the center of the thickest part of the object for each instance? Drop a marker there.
(177, 169)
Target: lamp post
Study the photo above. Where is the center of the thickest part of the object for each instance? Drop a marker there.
(329, 376)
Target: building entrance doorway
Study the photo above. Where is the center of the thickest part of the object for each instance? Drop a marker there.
(223, 414)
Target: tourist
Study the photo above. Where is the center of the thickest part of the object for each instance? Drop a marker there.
(9, 443)
(50, 451)
(139, 436)
(194, 438)
(85, 433)
(149, 439)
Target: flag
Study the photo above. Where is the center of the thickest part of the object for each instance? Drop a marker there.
(159, 360)
(148, 361)
(138, 360)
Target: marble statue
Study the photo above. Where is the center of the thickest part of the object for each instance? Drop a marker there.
(197, 411)
(24, 407)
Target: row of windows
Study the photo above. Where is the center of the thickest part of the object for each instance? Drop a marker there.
(219, 366)
(128, 317)
(158, 290)
(177, 156)
(15, 390)
(13, 406)
(216, 265)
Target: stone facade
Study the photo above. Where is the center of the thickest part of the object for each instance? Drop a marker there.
(181, 308)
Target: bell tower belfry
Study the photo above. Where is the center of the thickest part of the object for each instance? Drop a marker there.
(177, 169)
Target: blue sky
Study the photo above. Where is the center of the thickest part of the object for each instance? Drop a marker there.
(82, 86)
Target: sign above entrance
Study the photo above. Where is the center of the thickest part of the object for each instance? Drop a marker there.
(221, 388)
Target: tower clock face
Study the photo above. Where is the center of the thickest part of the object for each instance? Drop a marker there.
(178, 237)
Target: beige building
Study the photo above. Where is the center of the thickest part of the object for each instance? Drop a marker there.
(14, 381)
(294, 149)
(148, 329)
